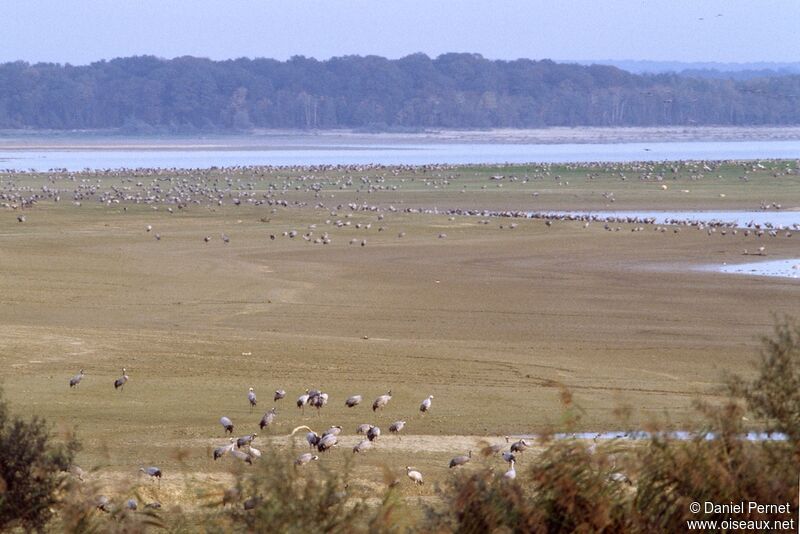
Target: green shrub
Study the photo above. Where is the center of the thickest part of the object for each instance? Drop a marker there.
(32, 467)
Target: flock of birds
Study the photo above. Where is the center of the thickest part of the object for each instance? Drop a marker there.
(174, 190)
(241, 448)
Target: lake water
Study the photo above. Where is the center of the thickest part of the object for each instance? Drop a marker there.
(780, 268)
(679, 435)
(393, 154)
(785, 268)
(742, 219)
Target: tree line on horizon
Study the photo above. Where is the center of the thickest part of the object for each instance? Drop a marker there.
(145, 94)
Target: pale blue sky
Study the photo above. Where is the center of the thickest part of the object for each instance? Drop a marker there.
(81, 31)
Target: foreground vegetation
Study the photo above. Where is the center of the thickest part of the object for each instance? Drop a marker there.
(570, 485)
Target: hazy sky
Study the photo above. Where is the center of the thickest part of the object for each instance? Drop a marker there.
(81, 31)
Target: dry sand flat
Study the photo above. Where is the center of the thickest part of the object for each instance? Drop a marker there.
(492, 322)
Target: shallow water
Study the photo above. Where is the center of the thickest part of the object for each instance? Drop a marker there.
(321, 153)
(742, 219)
(679, 435)
(785, 268)
(780, 268)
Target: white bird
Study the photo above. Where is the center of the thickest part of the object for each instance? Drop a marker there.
(426, 404)
(253, 452)
(414, 475)
(511, 474)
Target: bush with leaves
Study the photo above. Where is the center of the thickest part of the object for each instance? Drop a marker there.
(774, 395)
(275, 495)
(32, 469)
(719, 464)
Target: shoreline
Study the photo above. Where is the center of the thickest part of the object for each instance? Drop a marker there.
(11, 140)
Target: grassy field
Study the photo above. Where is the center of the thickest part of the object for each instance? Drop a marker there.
(492, 321)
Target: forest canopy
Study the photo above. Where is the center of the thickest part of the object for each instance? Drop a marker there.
(148, 94)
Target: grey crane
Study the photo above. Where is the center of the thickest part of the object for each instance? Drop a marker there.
(355, 400)
(318, 401)
(245, 440)
(304, 458)
(519, 446)
(509, 456)
(460, 460)
(120, 382)
(279, 394)
(243, 456)
(75, 380)
(302, 400)
(414, 475)
(363, 428)
(267, 420)
(153, 472)
(251, 503)
(131, 504)
(227, 424)
(373, 433)
(335, 430)
(397, 427)
(327, 442)
(494, 449)
(253, 452)
(77, 472)
(382, 401)
(251, 398)
(426, 404)
(312, 438)
(103, 503)
(222, 450)
(362, 446)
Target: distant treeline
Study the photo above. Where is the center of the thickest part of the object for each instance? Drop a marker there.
(145, 94)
